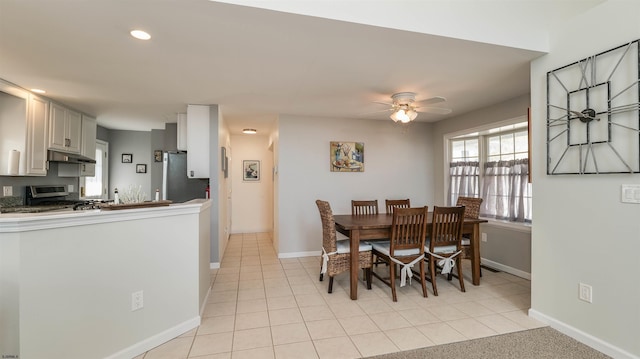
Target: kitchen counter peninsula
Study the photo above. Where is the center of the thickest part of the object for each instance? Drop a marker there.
(67, 280)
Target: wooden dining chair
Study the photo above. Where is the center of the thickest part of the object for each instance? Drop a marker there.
(472, 211)
(406, 247)
(336, 257)
(364, 207)
(390, 204)
(444, 246)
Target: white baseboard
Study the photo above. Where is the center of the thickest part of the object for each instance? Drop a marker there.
(214, 265)
(582, 337)
(298, 254)
(503, 268)
(154, 341)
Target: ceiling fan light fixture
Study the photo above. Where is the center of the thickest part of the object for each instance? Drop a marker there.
(250, 131)
(404, 116)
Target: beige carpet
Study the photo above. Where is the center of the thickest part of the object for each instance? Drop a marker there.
(535, 344)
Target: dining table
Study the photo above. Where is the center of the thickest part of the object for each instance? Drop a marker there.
(378, 226)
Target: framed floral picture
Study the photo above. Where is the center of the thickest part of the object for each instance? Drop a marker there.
(251, 170)
(346, 156)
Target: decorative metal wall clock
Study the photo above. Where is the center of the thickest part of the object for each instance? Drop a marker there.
(593, 117)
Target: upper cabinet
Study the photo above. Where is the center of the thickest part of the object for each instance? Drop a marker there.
(23, 132)
(65, 129)
(182, 132)
(89, 132)
(198, 119)
(37, 136)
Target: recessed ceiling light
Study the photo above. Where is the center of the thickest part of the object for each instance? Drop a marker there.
(250, 131)
(38, 91)
(141, 35)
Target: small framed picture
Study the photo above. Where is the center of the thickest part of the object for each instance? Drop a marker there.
(157, 155)
(127, 158)
(251, 170)
(141, 168)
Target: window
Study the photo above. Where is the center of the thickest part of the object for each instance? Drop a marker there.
(493, 164)
(96, 186)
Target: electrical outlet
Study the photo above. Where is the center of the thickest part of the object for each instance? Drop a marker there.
(586, 292)
(7, 191)
(483, 237)
(70, 188)
(137, 301)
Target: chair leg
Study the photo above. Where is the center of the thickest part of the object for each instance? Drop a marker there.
(330, 284)
(432, 274)
(392, 280)
(423, 279)
(459, 264)
(321, 276)
(368, 277)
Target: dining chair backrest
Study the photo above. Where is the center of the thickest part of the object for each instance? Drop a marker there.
(471, 206)
(446, 227)
(328, 226)
(408, 229)
(390, 204)
(364, 207)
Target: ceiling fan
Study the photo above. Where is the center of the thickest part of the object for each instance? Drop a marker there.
(405, 107)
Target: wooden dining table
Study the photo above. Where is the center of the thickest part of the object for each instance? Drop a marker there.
(377, 226)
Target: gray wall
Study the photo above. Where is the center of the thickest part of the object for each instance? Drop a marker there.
(123, 175)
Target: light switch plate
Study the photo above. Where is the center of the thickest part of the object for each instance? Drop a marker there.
(70, 188)
(630, 193)
(7, 191)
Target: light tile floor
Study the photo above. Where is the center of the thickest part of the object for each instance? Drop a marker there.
(264, 307)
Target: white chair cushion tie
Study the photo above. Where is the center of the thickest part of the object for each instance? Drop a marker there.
(447, 263)
(406, 269)
(325, 260)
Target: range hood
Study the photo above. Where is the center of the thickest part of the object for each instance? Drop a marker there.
(55, 156)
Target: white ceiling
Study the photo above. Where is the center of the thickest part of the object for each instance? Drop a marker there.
(259, 63)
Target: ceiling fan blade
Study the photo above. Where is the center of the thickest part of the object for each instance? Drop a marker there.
(383, 103)
(436, 110)
(431, 101)
(372, 112)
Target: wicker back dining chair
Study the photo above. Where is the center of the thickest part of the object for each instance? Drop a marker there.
(390, 204)
(471, 210)
(364, 207)
(444, 243)
(336, 257)
(406, 247)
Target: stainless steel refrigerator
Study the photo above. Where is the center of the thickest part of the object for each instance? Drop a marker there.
(176, 186)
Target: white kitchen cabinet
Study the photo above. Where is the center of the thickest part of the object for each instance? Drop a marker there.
(198, 119)
(182, 132)
(23, 131)
(65, 129)
(89, 131)
(37, 136)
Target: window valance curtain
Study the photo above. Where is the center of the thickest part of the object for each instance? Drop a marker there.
(505, 190)
(463, 179)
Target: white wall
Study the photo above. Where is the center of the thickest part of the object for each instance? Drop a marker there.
(252, 208)
(582, 233)
(223, 186)
(398, 163)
